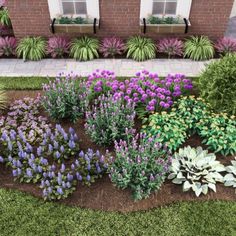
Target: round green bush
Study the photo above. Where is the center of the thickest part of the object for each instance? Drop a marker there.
(217, 84)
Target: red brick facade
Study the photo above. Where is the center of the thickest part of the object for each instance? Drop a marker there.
(119, 18)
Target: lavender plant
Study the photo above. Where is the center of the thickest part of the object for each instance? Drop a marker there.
(109, 118)
(140, 164)
(64, 99)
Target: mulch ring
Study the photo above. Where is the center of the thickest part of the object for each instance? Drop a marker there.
(102, 195)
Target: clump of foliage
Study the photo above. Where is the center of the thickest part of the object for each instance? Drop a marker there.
(198, 48)
(64, 98)
(112, 46)
(84, 49)
(217, 84)
(219, 133)
(225, 45)
(140, 48)
(196, 169)
(171, 47)
(164, 20)
(31, 48)
(4, 17)
(141, 164)
(73, 20)
(58, 47)
(230, 177)
(109, 119)
(167, 128)
(7, 46)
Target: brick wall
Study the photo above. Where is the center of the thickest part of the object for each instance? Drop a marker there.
(119, 17)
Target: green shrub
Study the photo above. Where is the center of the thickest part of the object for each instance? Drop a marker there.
(31, 48)
(140, 164)
(2, 99)
(217, 84)
(84, 49)
(4, 17)
(167, 128)
(140, 48)
(196, 169)
(219, 133)
(64, 99)
(199, 48)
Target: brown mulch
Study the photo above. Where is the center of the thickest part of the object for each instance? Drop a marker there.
(102, 194)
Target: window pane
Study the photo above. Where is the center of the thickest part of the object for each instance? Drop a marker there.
(158, 8)
(68, 8)
(81, 8)
(171, 8)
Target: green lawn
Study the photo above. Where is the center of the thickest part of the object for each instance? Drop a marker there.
(23, 215)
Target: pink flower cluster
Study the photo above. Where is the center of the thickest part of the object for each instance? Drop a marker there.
(145, 89)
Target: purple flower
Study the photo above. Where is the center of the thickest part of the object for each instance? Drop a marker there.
(60, 191)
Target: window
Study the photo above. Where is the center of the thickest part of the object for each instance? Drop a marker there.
(74, 7)
(164, 7)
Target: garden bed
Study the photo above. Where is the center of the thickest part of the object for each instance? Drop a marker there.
(102, 194)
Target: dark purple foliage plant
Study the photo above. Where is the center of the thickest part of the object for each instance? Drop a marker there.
(7, 46)
(58, 47)
(226, 45)
(112, 46)
(171, 47)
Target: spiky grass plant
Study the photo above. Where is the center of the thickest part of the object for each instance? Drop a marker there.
(84, 49)
(3, 98)
(199, 48)
(31, 48)
(4, 17)
(140, 48)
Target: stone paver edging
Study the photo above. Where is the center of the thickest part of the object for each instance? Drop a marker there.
(121, 67)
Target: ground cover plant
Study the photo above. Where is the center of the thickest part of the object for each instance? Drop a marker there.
(196, 169)
(217, 84)
(140, 164)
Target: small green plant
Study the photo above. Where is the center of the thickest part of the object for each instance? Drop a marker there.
(70, 20)
(167, 128)
(230, 177)
(196, 169)
(84, 49)
(140, 164)
(164, 20)
(140, 48)
(4, 17)
(199, 48)
(31, 48)
(217, 84)
(219, 133)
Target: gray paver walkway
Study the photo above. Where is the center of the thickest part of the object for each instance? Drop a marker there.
(122, 67)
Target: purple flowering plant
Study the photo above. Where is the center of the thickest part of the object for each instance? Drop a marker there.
(59, 183)
(64, 98)
(8, 46)
(225, 45)
(58, 47)
(141, 164)
(108, 119)
(149, 92)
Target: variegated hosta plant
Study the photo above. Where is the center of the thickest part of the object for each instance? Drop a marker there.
(2, 99)
(196, 169)
(230, 178)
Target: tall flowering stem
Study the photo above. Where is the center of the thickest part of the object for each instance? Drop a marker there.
(140, 164)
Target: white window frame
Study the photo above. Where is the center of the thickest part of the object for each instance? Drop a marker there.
(183, 8)
(74, 1)
(165, 1)
(55, 9)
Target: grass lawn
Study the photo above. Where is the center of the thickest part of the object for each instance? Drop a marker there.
(24, 215)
